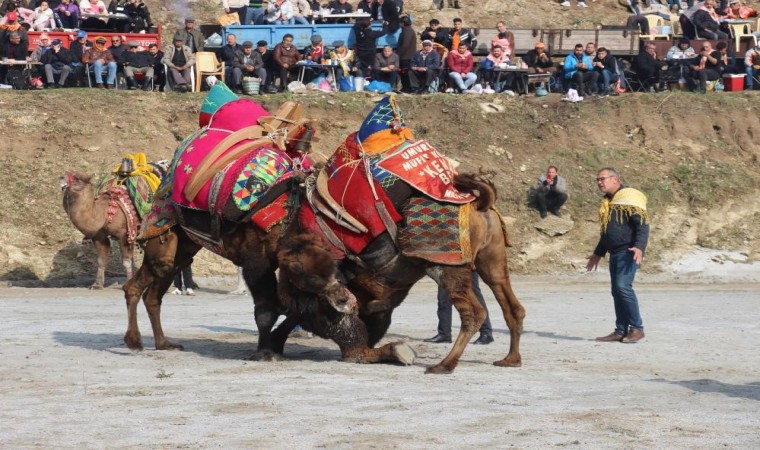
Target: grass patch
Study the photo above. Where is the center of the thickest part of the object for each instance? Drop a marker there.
(705, 183)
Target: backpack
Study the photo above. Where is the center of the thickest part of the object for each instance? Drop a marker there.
(18, 79)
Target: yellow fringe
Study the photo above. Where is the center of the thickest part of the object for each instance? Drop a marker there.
(626, 202)
(141, 169)
(464, 231)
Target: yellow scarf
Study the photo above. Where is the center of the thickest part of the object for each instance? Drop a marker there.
(141, 169)
(626, 202)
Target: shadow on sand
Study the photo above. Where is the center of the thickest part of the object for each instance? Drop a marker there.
(750, 391)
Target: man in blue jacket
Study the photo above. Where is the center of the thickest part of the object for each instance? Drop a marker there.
(624, 223)
(425, 66)
(579, 70)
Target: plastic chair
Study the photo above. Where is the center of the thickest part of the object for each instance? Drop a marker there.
(169, 86)
(207, 64)
(739, 30)
(675, 29)
(655, 23)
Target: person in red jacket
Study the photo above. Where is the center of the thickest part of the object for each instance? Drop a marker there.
(460, 65)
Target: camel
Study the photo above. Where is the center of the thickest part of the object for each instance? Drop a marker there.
(382, 277)
(90, 216)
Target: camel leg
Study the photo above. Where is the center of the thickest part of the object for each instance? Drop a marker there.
(133, 290)
(457, 281)
(263, 286)
(492, 267)
(351, 336)
(127, 257)
(281, 333)
(152, 300)
(102, 249)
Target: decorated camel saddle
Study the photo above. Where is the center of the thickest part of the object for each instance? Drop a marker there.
(380, 175)
(234, 168)
(131, 186)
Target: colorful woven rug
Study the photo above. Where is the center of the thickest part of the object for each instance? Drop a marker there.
(138, 188)
(435, 231)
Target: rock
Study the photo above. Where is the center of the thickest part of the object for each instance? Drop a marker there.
(491, 107)
(554, 226)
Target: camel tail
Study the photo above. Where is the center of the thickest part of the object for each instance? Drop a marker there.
(479, 185)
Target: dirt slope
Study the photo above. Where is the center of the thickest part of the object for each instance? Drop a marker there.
(698, 168)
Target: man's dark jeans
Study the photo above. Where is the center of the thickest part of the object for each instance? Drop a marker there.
(551, 201)
(444, 310)
(622, 272)
(585, 82)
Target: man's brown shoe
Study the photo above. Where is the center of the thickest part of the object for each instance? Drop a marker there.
(612, 337)
(634, 335)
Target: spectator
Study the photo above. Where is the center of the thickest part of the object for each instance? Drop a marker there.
(226, 53)
(346, 60)
(494, 58)
(139, 16)
(239, 7)
(364, 6)
(578, 69)
(460, 64)
(191, 38)
(624, 234)
(707, 66)
(752, 63)
(99, 58)
(43, 17)
(20, 7)
(681, 50)
(722, 48)
(581, 4)
(551, 192)
(504, 39)
(606, 65)
(407, 47)
(538, 61)
(120, 24)
(13, 47)
(255, 13)
(56, 62)
(119, 51)
(179, 58)
(648, 68)
(314, 53)
(279, 12)
(77, 49)
(68, 14)
(339, 7)
(189, 286)
(444, 317)
(286, 57)
(301, 12)
(736, 10)
(11, 24)
(679, 59)
(707, 21)
(387, 12)
(425, 66)
(93, 7)
(247, 63)
(267, 84)
(42, 47)
(138, 61)
(435, 33)
(159, 72)
(459, 34)
(386, 66)
(590, 50)
(365, 44)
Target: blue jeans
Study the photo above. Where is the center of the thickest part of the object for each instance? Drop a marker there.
(607, 78)
(300, 20)
(97, 68)
(622, 272)
(254, 16)
(748, 81)
(444, 309)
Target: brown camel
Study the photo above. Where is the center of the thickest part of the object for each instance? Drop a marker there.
(90, 216)
(384, 277)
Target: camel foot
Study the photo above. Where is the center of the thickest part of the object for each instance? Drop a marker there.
(266, 356)
(96, 287)
(169, 346)
(439, 369)
(509, 362)
(238, 292)
(404, 353)
(133, 343)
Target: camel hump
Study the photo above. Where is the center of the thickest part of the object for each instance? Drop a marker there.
(479, 185)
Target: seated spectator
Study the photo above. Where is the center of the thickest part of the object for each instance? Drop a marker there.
(13, 47)
(387, 12)
(12, 24)
(681, 50)
(43, 18)
(120, 24)
(93, 7)
(43, 45)
(346, 60)
(551, 192)
(460, 65)
(504, 39)
(137, 60)
(314, 53)
(20, 7)
(68, 14)
(159, 72)
(578, 69)
(286, 58)
(226, 54)
(247, 63)
(722, 48)
(179, 58)
(364, 6)
(267, 84)
(707, 21)
(98, 57)
(139, 16)
(77, 49)
(279, 12)
(386, 66)
(648, 68)
(706, 66)
(638, 21)
(425, 66)
(301, 12)
(494, 58)
(459, 34)
(435, 33)
(190, 36)
(339, 7)
(365, 45)
(538, 61)
(607, 66)
(255, 13)
(590, 50)
(119, 51)
(752, 64)
(736, 10)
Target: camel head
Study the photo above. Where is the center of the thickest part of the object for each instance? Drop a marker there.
(308, 272)
(75, 182)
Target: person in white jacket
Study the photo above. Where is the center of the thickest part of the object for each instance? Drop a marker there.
(280, 12)
(302, 12)
(43, 18)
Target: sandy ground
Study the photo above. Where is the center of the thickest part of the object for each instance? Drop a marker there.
(69, 381)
